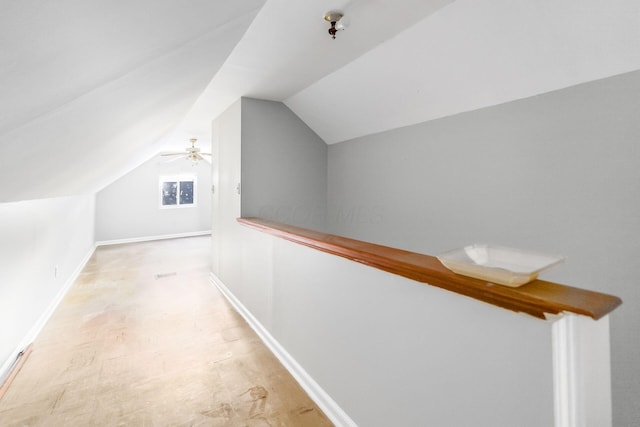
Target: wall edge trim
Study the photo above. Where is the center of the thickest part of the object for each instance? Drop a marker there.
(581, 376)
(564, 366)
(331, 409)
(150, 238)
(35, 330)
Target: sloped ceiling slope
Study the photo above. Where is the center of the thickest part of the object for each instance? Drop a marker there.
(287, 48)
(87, 88)
(472, 54)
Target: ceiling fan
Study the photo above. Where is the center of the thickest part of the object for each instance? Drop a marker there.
(190, 153)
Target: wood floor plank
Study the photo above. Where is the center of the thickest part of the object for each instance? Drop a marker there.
(143, 339)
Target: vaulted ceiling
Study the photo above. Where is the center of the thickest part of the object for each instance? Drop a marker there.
(89, 90)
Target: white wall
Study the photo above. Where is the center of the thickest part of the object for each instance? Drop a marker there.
(43, 244)
(281, 167)
(226, 146)
(129, 208)
(388, 351)
(558, 173)
(284, 166)
(393, 352)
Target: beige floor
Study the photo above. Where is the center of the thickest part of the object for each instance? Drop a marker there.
(143, 339)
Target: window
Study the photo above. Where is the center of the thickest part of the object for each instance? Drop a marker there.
(177, 191)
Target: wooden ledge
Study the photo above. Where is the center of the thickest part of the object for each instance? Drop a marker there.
(536, 298)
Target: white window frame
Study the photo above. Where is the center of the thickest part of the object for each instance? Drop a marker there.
(178, 179)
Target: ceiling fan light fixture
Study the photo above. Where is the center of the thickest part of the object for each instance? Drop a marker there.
(192, 154)
(193, 148)
(334, 17)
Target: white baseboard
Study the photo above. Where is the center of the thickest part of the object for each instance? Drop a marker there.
(313, 389)
(44, 318)
(150, 238)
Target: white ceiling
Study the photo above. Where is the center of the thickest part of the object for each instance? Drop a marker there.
(473, 54)
(89, 90)
(287, 48)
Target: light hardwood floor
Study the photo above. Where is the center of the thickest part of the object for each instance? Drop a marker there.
(143, 339)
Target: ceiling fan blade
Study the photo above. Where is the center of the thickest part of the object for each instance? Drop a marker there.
(191, 153)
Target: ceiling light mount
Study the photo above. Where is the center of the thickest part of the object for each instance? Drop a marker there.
(334, 18)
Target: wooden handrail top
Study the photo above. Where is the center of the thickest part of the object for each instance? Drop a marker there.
(537, 298)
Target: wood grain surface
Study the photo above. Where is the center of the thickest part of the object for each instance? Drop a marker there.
(536, 298)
